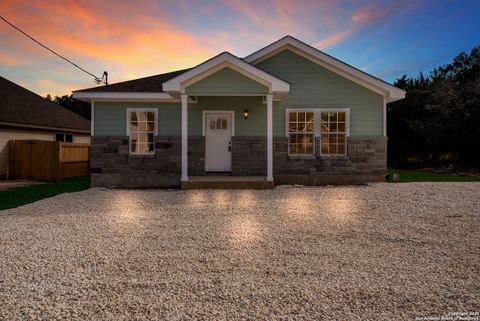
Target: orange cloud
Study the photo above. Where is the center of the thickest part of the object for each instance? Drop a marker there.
(141, 43)
(55, 88)
(144, 37)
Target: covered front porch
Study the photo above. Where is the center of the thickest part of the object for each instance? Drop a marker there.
(216, 99)
(229, 136)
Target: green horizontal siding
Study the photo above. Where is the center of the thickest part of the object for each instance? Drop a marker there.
(226, 81)
(111, 118)
(255, 125)
(312, 86)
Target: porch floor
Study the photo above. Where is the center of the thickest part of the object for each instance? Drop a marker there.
(227, 182)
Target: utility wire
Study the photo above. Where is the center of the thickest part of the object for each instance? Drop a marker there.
(97, 80)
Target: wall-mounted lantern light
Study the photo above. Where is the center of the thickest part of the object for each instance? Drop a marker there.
(245, 114)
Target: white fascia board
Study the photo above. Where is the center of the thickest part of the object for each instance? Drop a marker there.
(225, 59)
(124, 96)
(9, 124)
(390, 92)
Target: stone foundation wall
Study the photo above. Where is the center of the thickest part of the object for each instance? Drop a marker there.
(365, 156)
(249, 156)
(112, 166)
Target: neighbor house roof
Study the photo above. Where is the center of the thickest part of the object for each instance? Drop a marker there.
(21, 107)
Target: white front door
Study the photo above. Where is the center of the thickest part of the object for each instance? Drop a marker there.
(218, 142)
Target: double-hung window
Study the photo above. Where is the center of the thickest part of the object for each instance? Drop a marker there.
(333, 133)
(301, 139)
(142, 129)
(329, 124)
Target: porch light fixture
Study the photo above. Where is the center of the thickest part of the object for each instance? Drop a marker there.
(245, 114)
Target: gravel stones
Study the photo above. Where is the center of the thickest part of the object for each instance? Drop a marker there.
(376, 252)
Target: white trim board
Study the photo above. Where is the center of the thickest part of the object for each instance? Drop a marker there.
(124, 96)
(390, 92)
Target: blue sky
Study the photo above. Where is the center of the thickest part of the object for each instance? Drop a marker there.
(132, 39)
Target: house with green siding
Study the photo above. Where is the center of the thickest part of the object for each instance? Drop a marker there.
(286, 114)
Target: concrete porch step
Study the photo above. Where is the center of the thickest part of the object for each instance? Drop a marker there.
(227, 182)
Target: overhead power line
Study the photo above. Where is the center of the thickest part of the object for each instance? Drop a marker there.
(103, 79)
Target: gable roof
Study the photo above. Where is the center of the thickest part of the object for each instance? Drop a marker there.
(20, 106)
(177, 85)
(167, 86)
(390, 92)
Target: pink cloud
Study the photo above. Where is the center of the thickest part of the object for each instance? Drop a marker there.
(334, 39)
(370, 14)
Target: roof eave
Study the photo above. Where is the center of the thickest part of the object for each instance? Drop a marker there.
(124, 96)
(43, 127)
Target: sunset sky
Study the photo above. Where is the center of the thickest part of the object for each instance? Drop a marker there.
(137, 38)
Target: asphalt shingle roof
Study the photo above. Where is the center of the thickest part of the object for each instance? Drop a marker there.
(147, 84)
(20, 105)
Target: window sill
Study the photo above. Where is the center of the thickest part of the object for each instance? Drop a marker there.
(333, 157)
(298, 157)
(141, 155)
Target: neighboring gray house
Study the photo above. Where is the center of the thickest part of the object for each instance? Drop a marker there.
(288, 113)
(26, 115)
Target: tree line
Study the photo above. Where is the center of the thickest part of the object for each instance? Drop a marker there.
(77, 106)
(438, 122)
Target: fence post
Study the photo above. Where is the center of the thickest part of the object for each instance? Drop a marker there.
(11, 159)
(56, 162)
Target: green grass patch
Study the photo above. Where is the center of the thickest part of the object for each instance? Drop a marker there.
(18, 196)
(407, 176)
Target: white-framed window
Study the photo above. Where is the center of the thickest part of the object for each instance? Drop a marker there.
(333, 132)
(64, 137)
(332, 125)
(141, 129)
(301, 139)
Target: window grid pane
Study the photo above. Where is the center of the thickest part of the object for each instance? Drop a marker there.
(333, 132)
(301, 127)
(142, 132)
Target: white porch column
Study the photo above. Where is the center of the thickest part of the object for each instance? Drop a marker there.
(269, 138)
(184, 138)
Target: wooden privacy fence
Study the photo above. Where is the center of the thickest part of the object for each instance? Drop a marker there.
(47, 161)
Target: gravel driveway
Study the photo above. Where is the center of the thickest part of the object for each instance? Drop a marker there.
(378, 252)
